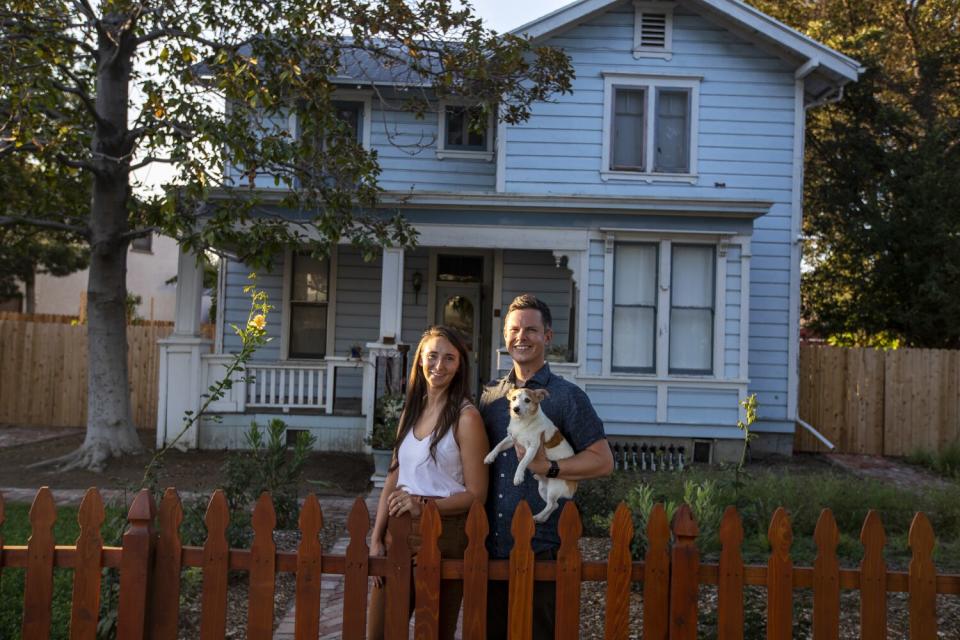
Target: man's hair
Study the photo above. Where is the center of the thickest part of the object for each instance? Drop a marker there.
(530, 301)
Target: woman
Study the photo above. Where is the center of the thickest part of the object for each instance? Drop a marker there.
(441, 442)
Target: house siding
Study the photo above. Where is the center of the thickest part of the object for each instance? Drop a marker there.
(594, 355)
(745, 151)
(357, 318)
(536, 272)
(235, 308)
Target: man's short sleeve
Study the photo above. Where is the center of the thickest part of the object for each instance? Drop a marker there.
(584, 427)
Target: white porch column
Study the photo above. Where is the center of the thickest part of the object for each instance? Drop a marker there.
(181, 374)
(391, 295)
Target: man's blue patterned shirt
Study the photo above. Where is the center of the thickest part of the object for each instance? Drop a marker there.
(570, 410)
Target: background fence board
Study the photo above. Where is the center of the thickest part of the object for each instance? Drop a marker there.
(879, 402)
(43, 370)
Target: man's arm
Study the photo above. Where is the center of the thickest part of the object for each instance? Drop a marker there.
(596, 461)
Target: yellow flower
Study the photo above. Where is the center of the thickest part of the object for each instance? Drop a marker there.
(258, 322)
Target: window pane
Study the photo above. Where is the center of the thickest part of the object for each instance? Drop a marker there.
(671, 131)
(349, 114)
(459, 134)
(633, 337)
(309, 279)
(692, 276)
(635, 274)
(691, 339)
(308, 331)
(628, 138)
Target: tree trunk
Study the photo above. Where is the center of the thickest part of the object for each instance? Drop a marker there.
(30, 293)
(110, 429)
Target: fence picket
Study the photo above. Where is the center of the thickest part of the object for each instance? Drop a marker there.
(923, 580)
(38, 582)
(619, 569)
(780, 578)
(520, 598)
(427, 575)
(263, 570)
(569, 572)
(873, 579)
(730, 584)
(309, 563)
(656, 576)
(2, 518)
(475, 574)
(166, 590)
(86, 575)
(826, 579)
(135, 569)
(399, 554)
(685, 580)
(216, 556)
(355, 575)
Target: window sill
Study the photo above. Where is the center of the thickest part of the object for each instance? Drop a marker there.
(636, 176)
(485, 156)
(652, 53)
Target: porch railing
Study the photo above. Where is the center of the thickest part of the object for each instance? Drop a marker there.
(278, 385)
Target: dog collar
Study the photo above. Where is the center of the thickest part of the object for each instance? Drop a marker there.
(556, 439)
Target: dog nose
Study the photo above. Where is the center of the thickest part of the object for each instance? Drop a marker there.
(516, 408)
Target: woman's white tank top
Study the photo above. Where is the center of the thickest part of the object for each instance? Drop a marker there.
(421, 475)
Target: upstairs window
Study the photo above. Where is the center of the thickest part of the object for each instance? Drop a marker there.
(649, 128)
(459, 136)
(653, 30)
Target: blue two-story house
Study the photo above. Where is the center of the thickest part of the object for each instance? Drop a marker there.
(657, 209)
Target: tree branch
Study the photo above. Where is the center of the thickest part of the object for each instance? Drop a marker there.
(149, 160)
(10, 221)
(138, 233)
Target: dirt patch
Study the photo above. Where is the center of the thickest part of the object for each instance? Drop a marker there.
(326, 473)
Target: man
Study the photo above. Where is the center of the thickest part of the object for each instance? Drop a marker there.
(527, 333)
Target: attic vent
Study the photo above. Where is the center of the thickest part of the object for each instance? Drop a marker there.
(653, 30)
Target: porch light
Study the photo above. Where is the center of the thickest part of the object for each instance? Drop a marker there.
(416, 281)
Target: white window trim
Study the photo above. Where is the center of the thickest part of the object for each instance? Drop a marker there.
(722, 243)
(462, 154)
(640, 51)
(651, 83)
(331, 304)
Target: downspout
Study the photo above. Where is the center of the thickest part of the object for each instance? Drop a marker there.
(816, 434)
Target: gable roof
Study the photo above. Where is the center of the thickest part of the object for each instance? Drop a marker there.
(817, 55)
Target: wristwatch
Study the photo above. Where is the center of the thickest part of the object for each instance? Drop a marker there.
(554, 469)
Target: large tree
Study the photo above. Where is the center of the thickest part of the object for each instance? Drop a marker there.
(147, 82)
(883, 174)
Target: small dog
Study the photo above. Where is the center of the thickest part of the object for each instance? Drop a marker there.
(527, 422)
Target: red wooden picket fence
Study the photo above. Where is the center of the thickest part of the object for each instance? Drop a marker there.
(152, 557)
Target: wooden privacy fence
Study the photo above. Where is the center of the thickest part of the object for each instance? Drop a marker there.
(879, 402)
(152, 557)
(43, 371)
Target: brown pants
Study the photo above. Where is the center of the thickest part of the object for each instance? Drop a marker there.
(452, 543)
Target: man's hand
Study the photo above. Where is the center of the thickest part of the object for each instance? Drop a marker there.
(539, 465)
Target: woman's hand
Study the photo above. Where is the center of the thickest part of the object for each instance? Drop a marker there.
(377, 548)
(400, 502)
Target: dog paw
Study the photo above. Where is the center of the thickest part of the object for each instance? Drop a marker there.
(518, 480)
(541, 517)
(489, 459)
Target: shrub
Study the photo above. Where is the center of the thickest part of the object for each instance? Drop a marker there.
(386, 420)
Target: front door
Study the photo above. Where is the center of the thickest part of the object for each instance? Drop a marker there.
(458, 307)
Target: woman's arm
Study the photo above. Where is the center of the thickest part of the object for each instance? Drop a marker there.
(380, 523)
(472, 439)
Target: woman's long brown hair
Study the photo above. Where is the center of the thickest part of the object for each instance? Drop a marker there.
(416, 399)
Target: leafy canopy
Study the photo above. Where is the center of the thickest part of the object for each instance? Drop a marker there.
(191, 84)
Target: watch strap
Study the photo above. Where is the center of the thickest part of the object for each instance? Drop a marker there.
(554, 469)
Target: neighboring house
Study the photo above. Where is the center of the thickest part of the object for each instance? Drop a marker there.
(151, 263)
(656, 209)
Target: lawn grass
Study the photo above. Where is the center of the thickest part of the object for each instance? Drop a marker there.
(945, 461)
(16, 531)
(759, 492)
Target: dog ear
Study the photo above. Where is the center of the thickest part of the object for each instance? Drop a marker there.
(539, 394)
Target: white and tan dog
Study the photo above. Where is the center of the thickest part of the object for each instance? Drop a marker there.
(527, 422)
